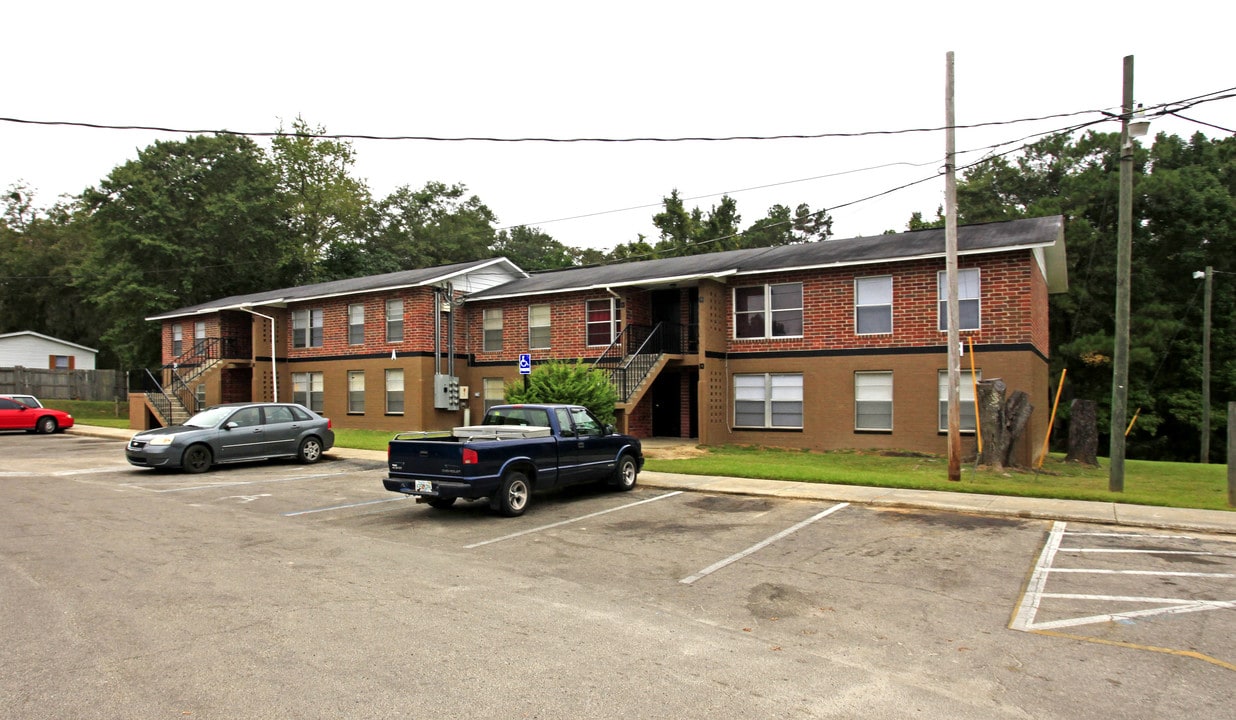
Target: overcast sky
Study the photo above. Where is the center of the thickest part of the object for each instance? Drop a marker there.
(582, 69)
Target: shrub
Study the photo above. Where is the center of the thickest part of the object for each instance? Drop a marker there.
(576, 383)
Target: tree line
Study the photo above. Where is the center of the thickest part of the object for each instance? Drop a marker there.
(210, 216)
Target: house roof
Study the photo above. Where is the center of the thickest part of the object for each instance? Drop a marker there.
(469, 276)
(31, 333)
(1044, 236)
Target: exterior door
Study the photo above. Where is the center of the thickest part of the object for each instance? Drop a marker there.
(667, 310)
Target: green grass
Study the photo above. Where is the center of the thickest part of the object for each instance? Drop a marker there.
(1186, 485)
(363, 439)
(93, 412)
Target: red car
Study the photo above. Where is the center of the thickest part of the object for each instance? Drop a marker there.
(15, 415)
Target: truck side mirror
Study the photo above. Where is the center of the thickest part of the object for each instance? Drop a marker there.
(610, 430)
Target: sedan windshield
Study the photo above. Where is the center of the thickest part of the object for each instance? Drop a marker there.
(209, 417)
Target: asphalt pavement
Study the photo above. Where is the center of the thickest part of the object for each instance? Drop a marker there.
(1146, 516)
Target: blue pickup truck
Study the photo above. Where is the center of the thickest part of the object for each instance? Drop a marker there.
(517, 449)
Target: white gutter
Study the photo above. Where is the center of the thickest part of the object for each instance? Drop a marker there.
(274, 371)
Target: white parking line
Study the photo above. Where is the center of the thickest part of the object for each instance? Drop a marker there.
(343, 507)
(209, 486)
(573, 520)
(761, 545)
(93, 471)
(1036, 587)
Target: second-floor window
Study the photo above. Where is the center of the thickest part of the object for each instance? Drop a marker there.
(967, 299)
(356, 324)
(394, 321)
(307, 328)
(768, 311)
(492, 321)
(873, 305)
(178, 340)
(538, 327)
(199, 333)
(603, 320)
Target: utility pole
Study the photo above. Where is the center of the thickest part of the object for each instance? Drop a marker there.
(950, 264)
(1206, 368)
(1124, 259)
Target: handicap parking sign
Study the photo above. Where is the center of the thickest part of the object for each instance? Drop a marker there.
(525, 363)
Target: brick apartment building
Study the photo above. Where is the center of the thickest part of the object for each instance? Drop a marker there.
(828, 345)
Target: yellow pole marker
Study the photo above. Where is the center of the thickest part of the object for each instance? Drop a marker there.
(1130, 427)
(1051, 423)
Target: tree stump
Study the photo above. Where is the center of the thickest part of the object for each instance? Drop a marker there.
(1001, 421)
(1083, 433)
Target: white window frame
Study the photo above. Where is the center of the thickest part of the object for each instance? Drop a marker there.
(966, 389)
(178, 340)
(969, 290)
(493, 391)
(395, 397)
(868, 303)
(394, 320)
(872, 387)
(768, 311)
(614, 308)
(491, 330)
(771, 390)
(356, 324)
(199, 332)
(356, 392)
(308, 389)
(545, 327)
(307, 328)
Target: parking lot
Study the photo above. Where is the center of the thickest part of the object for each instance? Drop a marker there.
(279, 589)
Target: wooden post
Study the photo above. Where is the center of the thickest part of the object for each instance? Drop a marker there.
(1231, 454)
(950, 264)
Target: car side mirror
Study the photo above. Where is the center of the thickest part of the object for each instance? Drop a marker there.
(231, 425)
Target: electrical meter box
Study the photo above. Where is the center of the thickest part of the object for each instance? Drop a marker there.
(446, 392)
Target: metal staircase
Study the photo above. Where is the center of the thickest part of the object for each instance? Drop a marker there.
(171, 396)
(633, 361)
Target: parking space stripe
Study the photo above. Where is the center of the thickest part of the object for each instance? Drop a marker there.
(342, 507)
(209, 486)
(760, 545)
(1163, 573)
(1029, 606)
(568, 522)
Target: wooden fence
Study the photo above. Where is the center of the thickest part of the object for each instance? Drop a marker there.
(65, 384)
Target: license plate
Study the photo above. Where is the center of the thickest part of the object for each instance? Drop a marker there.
(424, 486)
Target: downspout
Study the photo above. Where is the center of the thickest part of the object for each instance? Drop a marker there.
(274, 371)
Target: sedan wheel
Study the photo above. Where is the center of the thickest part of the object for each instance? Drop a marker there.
(196, 459)
(46, 425)
(310, 450)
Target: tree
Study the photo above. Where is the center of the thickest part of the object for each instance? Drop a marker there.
(1185, 219)
(692, 232)
(38, 249)
(186, 222)
(576, 383)
(437, 225)
(781, 227)
(325, 204)
(532, 249)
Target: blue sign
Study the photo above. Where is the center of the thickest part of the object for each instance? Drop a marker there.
(525, 363)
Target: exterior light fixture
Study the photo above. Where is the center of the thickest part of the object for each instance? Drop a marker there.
(1139, 125)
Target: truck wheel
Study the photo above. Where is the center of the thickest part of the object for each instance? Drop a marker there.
(513, 496)
(440, 503)
(624, 476)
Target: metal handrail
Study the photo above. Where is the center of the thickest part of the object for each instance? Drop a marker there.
(631, 357)
(156, 396)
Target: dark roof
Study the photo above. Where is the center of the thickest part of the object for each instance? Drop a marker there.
(352, 286)
(1046, 233)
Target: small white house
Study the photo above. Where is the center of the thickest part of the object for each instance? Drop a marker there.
(35, 350)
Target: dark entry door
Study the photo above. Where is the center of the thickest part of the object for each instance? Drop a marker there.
(667, 405)
(667, 310)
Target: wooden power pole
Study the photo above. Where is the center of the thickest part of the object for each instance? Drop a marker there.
(950, 262)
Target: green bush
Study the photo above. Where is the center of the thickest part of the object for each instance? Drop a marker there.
(576, 383)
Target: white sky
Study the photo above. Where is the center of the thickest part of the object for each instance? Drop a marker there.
(571, 69)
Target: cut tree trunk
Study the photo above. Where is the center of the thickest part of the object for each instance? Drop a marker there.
(1083, 433)
(1002, 421)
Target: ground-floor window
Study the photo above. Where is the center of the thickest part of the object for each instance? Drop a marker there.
(967, 399)
(394, 392)
(494, 391)
(873, 400)
(307, 390)
(768, 400)
(356, 392)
